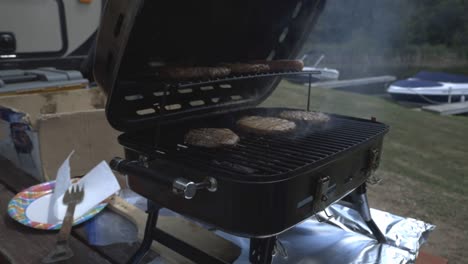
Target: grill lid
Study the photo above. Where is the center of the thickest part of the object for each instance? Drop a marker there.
(137, 36)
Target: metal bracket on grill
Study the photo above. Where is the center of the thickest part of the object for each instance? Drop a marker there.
(374, 160)
(373, 164)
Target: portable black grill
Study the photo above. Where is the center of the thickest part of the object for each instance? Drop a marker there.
(258, 188)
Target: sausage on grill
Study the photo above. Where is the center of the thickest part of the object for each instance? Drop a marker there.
(187, 73)
(283, 65)
(246, 68)
(211, 137)
(265, 125)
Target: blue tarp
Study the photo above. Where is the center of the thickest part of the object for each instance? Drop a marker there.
(441, 77)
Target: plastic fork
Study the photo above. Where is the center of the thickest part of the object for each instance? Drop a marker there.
(62, 251)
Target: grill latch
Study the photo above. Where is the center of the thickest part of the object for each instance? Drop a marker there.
(321, 193)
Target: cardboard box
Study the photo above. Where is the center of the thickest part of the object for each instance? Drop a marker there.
(38, 131)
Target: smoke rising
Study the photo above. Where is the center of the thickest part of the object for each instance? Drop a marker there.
(365, 34)
(361, 32)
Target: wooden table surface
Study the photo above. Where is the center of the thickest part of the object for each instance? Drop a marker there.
(23, 245)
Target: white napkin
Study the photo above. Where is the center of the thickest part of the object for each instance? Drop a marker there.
(62, 182)
(98, 184)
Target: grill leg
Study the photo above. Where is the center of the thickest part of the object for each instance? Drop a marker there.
(152, 233)
(359, 200)
(261, 250)
(153, 212)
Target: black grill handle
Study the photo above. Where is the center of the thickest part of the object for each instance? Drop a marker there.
(133, 168)
(180, 186)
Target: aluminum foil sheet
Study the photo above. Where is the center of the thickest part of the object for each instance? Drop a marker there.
(337, 236)
(345, 238)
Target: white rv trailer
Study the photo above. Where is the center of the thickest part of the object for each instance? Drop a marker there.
(39, 33)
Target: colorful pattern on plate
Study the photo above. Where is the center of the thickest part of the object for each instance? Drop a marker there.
(18, 205)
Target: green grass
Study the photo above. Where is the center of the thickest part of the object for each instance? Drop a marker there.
(428, 149)
(424, 165)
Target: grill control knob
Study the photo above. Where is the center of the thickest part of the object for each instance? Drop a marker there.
(184, 187)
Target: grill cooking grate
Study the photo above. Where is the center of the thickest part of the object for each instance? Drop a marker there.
(173, 97)
(269, 155)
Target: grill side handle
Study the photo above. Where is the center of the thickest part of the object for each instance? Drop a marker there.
(180, 186)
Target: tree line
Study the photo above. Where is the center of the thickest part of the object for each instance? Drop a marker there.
(393, 28)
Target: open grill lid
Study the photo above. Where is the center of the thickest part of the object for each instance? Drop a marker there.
(136, 36)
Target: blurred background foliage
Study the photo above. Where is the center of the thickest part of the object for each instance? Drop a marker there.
(392, 33)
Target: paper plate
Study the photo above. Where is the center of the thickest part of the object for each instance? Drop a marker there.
(30, 207)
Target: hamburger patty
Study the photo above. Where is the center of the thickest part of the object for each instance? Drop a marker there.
(265, 125)
(314, 117)
(211, 137)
